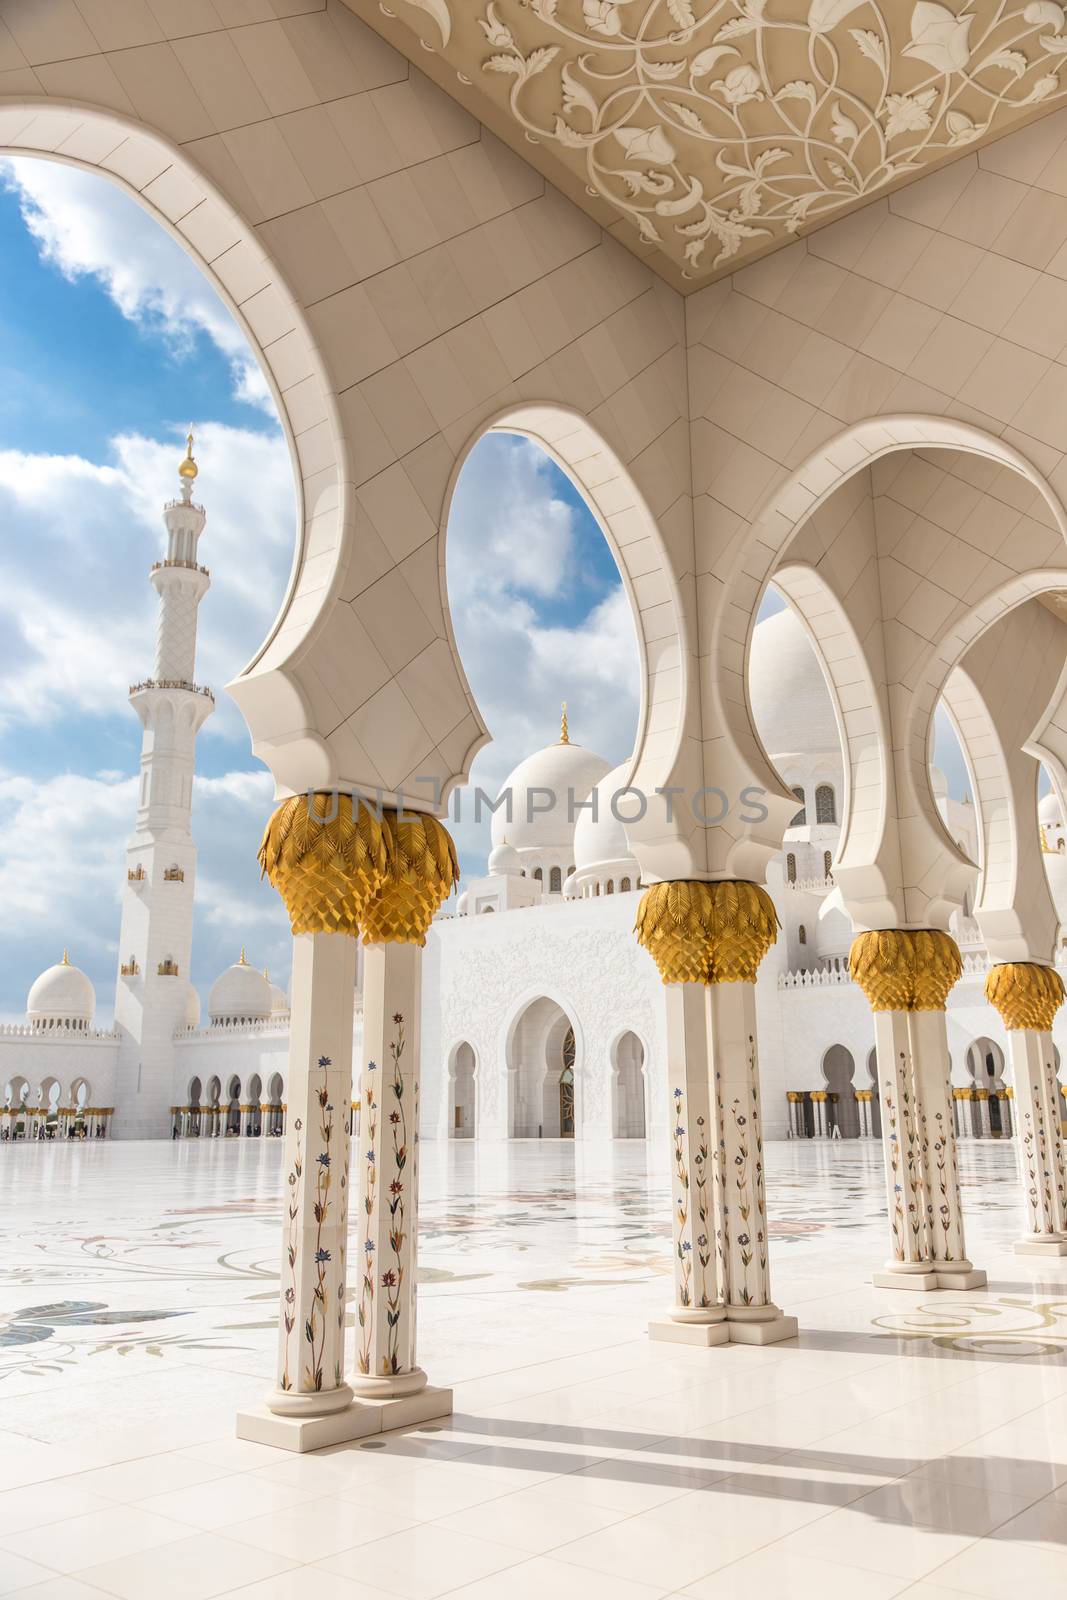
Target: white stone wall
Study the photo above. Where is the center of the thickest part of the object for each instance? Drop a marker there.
(63, 1055)
(481, 974)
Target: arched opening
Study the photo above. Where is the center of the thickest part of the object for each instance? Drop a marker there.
(543, 1073)
(196, 1113)
(989, 1106)
(255, 1114)
(842, 1111)
(556, 587)
(628, 1088)
(802, 815)
(212, 1122)
(825, 805)
(275, 1096)
(50, 1099)
(233, 1106)
(462, 1102)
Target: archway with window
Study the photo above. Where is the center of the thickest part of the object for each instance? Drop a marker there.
(543, 1077)
(842, 1111)
(462, 1092)
(628, 1088)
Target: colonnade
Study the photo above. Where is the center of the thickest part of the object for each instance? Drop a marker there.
(351, 874)
(33, 1122)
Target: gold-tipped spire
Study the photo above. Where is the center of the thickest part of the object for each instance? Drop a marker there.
(188, 468)
(66, 958)
(564, 735)
(242, 960)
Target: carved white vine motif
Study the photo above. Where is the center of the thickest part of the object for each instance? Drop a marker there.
(718, 127)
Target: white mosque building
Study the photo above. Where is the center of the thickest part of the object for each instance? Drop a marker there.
(542, 1016)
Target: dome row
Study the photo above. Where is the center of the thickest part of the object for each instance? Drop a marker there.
(63, 997)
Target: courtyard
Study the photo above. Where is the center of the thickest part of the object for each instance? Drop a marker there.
(901, 1445)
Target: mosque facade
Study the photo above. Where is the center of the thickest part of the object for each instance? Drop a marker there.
(542, 1018)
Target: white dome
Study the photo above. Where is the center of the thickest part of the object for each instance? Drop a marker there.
(240, 994)
(570, 886)
(505, 858)
(565, 770)
(604, 842)
(1048, 809)
(791, 704)
(461, 904)
(279, 1002)
(61, 997)
(192, 1007)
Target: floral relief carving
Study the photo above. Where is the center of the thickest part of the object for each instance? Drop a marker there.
(719, 128)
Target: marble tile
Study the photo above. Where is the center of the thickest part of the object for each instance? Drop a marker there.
(898, 1445)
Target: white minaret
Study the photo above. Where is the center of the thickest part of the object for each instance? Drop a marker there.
(157, 905)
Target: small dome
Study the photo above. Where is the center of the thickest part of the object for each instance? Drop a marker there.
(461, 904)
(192, 1007)
(1048, 809)
(570, 886)
(791, 704)
(240, 994)
(568, 773)
(506, 859)
(279, 1003)
(603, 842)
(62, 997)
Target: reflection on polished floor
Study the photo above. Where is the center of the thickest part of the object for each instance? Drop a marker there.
(900, 1446)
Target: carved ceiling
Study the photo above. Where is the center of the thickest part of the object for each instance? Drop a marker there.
(704, 133)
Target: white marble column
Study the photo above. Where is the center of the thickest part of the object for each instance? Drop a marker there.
(751, 1315)
(981, 1099)
(311, 1363)
(907, 976)
(713, 936)
(1036, 1102)
(698, 1315)
(1028, 995)
(944, 1209)
(387, 1173)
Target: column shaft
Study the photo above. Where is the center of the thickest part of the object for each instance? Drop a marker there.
(699, 1268)
(1036, 1101)
(905, 1176)
(933, 1077)
(315, 1219)
(387, 1172)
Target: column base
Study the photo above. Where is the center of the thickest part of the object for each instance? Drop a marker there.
(1040, 1245)
(760, 1330)
(701, 1334)
(357, 1421)
(741, 1325)
(394, 1387)
(929, 1278)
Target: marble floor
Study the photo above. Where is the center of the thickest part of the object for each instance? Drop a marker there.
(899, 1446)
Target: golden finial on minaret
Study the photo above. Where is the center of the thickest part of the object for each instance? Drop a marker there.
(564, 736)
(188, 468)
(66, 958)
(242, 961)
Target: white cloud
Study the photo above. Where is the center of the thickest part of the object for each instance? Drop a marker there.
(61, 870)
(80, 538)
(515, 551)
(87, 227)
